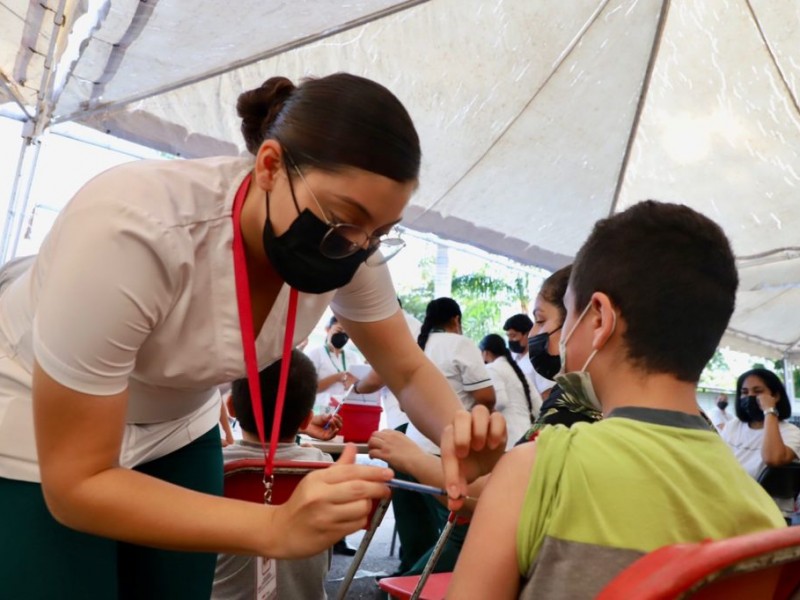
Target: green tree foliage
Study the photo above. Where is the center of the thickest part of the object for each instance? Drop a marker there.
(795, 374)
(481, 297)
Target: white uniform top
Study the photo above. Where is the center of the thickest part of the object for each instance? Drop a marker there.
(510, 399)
(459, 359)
(718, 417)
(134, 287)
(746, 443)
(328, 364)
(534, 380)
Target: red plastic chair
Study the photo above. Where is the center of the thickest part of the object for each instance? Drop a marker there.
(244, 480)
(428, 585)
(402, 588)
(759, 566)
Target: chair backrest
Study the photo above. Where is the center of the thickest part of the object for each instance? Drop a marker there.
(760, 565)
(244, 478)
(781, 482)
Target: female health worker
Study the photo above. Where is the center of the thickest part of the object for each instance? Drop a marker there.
(113, 341)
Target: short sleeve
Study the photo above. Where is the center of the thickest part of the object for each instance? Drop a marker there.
(370, 296)
(469, 361)
(791, 438)
(106, 285)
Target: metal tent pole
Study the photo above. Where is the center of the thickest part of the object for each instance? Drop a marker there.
(20, 192)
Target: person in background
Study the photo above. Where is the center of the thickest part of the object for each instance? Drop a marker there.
(235, 575)
(760, 436)
(517, 328)
(372, 382)
(331, 360)
(718, 415)
(511, 387)
(562, 516)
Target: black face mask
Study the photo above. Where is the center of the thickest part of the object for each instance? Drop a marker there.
(516, 347)
(296, 257)
(722, 404)
(338, 340)
(751, 409)
(545, 363)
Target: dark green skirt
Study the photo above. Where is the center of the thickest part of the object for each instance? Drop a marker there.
(39, 558)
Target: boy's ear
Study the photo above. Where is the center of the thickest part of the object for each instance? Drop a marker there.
(604, 319)
(307, 420)
(229, 405)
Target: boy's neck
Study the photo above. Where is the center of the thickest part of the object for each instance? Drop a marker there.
(631, 387)
(253, 438)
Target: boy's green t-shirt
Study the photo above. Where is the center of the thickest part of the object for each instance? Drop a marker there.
(614, 490)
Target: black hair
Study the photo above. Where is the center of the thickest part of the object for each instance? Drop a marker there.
(333, 320)
(774, 385)
(497, 345)
(301, 391)
(341, 120)
(555, 287)
(671, 273)
(520, 322)
(438, 313)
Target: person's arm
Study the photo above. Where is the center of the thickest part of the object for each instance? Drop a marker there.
(346, 379)
(423, 392)
(476, 440)
(405, 456)
(494, 574)
(774, 452)
(371, 382)
(484, 396)
(78, 438)
(225, 423)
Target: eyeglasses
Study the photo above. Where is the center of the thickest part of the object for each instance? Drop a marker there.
(344, 239)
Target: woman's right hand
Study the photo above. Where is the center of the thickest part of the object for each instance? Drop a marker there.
(471, 446)
(327, 505)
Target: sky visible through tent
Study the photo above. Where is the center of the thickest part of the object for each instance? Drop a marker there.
(67, 161)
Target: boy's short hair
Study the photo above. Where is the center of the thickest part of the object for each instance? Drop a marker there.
(671, 273)
(520, 322)
(301, 391)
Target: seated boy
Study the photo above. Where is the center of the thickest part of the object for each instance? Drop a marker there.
(650, 295)
(235, 576)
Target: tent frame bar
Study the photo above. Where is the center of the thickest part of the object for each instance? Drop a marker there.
(12, 91)
(298, 43)
(634, 130)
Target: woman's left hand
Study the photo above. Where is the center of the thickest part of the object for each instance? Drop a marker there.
(767, 401)
(316, 428)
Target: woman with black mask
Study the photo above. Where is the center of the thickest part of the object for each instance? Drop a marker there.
(559, 406)
(161, 280)
(760, 436)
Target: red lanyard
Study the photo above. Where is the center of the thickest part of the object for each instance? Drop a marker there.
(248, 337)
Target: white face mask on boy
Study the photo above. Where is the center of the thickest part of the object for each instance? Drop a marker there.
(578, 384)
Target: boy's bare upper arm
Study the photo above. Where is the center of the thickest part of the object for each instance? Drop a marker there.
(487, 565)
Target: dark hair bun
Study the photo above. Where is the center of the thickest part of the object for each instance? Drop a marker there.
(259, 108)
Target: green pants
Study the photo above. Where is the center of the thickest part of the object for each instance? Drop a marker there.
(420, 519)
(41, 559)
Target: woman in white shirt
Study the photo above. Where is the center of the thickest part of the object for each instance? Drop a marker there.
(114, 339)
(510, 387)
(760, 437)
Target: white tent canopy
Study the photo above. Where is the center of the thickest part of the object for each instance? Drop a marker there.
(536, 118)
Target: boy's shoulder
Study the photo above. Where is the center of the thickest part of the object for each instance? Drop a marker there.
(295, 452)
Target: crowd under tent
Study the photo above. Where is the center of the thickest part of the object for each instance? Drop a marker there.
(536, 118)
